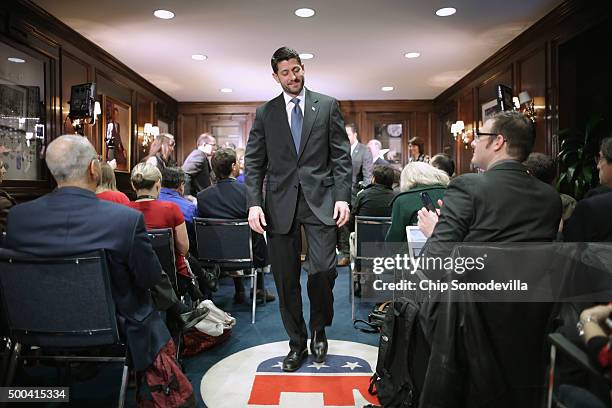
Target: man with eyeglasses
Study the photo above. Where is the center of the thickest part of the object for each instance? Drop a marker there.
(506, 204)
(197, 165)
(591, 221)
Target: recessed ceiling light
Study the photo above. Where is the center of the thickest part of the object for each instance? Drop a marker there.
(226, 90)
(16, 60)
(163, 14)
(306, 56)
(412, 54)
(304, 12)
(446, 11)
(199, 57)
(386, 88)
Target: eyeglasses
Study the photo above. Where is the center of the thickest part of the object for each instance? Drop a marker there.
(477, 134)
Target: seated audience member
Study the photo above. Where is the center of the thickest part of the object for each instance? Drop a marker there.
(542, 167)
(416, 147)
(502, 204)
(160, 152)
(146, 180)
(591, 221)
(107, 189)
(444, 162)
(6, 201)
(597, 338)
(417, 177)
(198, 174)
(70, 221)
(240, 158)
(375, 199)
(228, 200)
(173, 189)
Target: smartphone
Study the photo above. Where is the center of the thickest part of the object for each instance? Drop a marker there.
(427, 201)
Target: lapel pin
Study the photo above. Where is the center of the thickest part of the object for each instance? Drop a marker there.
(313, 108)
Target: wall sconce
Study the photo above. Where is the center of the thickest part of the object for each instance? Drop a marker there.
(526, 102)
(148, 134)
(458, 131)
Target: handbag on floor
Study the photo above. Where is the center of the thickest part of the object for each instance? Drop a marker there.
(216, 321)
(376, 318)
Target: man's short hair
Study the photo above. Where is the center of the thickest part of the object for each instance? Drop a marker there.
(353, 127)
(204, 138)
(606, 149)
(172, 177)
(284, 54)
(443, 162)
(383, 175)
(541, 166)
(222, 162)
(517, 130)
(68, 158)
(376, 142)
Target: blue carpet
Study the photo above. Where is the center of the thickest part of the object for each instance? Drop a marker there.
(103, 389)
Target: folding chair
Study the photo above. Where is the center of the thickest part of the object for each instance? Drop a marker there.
(162, 240)
(371, 231)
(227, 243)
(60, 304)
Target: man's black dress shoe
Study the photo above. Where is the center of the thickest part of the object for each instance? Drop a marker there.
(318, 346)
(294, 360)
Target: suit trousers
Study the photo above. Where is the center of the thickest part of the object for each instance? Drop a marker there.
(286, 268)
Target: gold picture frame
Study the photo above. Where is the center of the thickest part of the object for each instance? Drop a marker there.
(117, 133)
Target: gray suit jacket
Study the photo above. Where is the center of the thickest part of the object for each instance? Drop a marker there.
(362, 165)
(322, 167)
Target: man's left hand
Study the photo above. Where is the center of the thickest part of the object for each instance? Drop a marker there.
(341, 213)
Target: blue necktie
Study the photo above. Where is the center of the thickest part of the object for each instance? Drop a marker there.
(296, 123)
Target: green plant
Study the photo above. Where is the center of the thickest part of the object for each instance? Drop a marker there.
(578, 169)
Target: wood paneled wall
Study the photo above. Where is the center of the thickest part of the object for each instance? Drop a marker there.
(195, 118)
(529, 63)
(71, 59)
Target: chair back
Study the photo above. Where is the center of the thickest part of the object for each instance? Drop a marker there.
(226, 243)
(57, 302)
(370, 230)
(162, 241)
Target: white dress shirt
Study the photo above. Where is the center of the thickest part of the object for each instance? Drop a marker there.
(289, 105)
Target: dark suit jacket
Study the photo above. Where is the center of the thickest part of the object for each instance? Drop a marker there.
(380, 162)
(322, 167)
(71, 221)
(228, 200)
(197, 168)
(362, 166)
(591, 220)
(373, 201)
(504, 204)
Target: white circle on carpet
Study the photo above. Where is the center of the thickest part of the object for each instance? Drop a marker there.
(253, 378)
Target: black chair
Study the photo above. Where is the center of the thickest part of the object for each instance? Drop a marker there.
(228, 244)
(61, 304)
(162, 240)
(558, 342)
(370, 231)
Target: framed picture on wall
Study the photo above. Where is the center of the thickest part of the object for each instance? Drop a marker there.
(117, 133)
(489, 109)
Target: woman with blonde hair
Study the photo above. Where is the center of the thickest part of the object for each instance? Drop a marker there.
(6, 201)
(107, 187)
(416, 178)
(146, 181)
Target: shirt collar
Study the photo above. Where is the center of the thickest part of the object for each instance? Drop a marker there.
(169, 191)
(288, 97)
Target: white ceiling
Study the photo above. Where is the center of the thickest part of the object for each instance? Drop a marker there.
(359, 45)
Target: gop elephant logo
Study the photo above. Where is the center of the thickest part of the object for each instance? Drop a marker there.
(253, 378)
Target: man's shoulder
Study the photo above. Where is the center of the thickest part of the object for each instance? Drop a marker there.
(320, 97)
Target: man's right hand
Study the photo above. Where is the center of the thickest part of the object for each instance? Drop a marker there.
(257, 219)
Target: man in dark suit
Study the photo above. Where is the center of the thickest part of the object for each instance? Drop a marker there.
(503, 204)
(72, 220)
(361, 158)
(299, 143)
(228, 200)
(591, 221)
(376, 149)
(197, 166)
